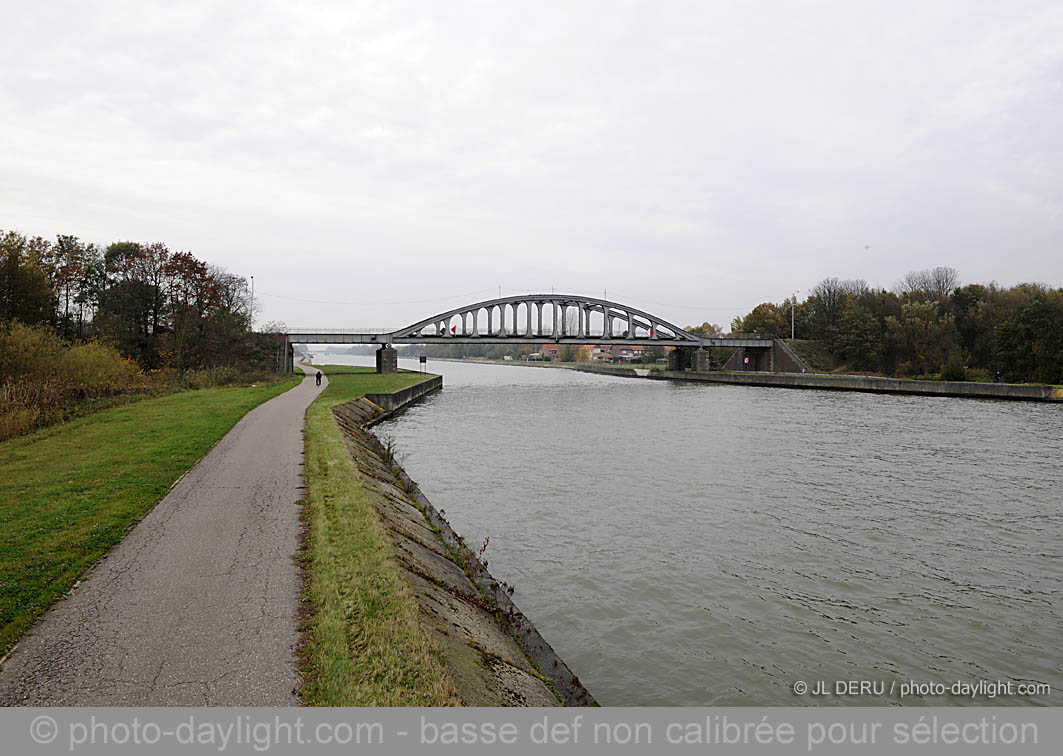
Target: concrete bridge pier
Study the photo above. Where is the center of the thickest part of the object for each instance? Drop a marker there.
(683, 358)
(387, 359)
(289, 358)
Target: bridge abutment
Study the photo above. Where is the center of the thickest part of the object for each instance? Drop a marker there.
(387, 360)
(683, 358)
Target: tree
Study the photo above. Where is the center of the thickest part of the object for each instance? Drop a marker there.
(934, 283)
(765, 318)
(25, 294)
(133, 304)
(191, 294)
(652, 353)
(705, 329)
(824, 307)
(1028, 345)
(858, 336)
(921, 338)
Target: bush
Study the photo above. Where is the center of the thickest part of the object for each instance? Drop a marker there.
(953, 370)
(44, 380)
(36, 353)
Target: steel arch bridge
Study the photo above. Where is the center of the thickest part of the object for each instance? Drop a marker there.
(531, 319)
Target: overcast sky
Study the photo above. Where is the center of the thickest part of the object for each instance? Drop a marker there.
(372, 163)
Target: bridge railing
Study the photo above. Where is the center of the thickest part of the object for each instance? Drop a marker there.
(339, 331)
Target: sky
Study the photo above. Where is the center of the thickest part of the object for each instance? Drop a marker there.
(374, 163)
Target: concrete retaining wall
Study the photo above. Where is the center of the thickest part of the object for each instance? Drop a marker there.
(400, 399)
(475, 637)
(872, 384)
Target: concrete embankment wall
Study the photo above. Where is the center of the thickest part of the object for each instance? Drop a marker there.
(871, 384)
(400, 399)
(492, 651)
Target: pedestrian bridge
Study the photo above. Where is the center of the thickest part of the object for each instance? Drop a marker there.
(530, 319)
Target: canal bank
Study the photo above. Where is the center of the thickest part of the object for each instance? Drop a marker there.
(823, 381)
(461, 639)
(864, 383)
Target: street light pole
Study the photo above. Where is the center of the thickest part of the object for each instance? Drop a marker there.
(251, 319)
(793, 304)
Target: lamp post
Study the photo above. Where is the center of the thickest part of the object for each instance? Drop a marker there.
(793, 304)
(251, 319)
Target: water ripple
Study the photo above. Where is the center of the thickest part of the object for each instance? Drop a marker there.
(683, 544)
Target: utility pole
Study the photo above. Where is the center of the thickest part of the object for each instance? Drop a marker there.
(251, 318)
(793, 304)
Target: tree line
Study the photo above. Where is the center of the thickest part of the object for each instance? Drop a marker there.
(164, 309)
(927, 325)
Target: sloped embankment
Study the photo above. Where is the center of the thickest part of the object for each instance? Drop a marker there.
(493, 653)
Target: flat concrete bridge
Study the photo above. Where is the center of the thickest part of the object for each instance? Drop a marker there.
(535, 319)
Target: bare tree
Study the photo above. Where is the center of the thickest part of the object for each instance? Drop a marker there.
(233, 290)
(935, 283)
(856, 286)
(825, 302)
(942, 281)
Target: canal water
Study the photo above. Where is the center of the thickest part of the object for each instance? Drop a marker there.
(697, 544)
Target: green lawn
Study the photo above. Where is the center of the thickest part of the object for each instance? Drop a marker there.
(70, 492)
(365, 646)
(347, 382)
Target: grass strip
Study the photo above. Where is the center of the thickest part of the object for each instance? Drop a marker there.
(70, 492)
(364, 644)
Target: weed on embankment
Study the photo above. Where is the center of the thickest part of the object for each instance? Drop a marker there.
(364, 645)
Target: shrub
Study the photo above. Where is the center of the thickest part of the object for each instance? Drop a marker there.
(44, 380)
(953, 370)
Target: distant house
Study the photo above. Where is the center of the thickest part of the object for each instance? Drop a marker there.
(624, 352)
(550, 351)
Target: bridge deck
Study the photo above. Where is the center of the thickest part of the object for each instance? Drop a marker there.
(334, 337)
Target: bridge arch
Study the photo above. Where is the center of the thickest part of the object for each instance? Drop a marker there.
(532, 319)
(552, 317)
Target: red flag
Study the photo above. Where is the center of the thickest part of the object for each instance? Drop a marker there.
(453, 329)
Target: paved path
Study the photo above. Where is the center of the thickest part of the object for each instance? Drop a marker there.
(198, 604)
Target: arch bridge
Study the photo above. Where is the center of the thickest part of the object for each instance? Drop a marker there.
(529, 319)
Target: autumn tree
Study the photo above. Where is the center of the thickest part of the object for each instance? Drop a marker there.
(25, 294)
(705, 329)
(765, 319)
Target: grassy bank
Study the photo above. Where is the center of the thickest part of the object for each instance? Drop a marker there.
(364, 646)
(69, 493)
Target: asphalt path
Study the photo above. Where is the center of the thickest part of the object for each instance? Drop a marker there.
(198, 605)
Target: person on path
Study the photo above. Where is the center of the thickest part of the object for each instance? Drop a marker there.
(318, 377)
